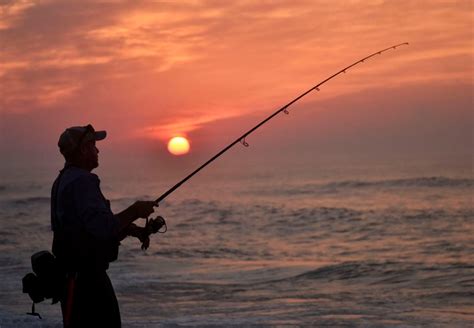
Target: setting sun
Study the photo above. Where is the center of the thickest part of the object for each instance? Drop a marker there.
(178, 146)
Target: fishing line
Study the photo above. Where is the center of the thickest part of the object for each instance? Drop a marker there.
(283, 109)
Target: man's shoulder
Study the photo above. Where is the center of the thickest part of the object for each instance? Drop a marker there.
(76, 176)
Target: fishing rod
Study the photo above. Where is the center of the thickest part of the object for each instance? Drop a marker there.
(154, 225)
(283, 109)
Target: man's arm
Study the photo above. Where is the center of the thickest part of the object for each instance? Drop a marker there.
(96, 214)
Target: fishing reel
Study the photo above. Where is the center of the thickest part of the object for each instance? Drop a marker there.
(143, 233)
(152, 226)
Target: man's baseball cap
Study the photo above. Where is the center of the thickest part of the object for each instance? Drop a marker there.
(73, 137)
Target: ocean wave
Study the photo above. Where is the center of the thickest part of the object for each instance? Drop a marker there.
(419, 215)
(307, 219)
(389, 272)
(424, 182)
(20, 187)
(30, 200)
(215, 253)
(354, 270)
(281, 220)
(350, 185)
(261, 216)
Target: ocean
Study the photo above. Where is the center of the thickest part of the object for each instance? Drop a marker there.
(309, 245)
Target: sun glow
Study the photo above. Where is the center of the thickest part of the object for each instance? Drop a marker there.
(178, 146)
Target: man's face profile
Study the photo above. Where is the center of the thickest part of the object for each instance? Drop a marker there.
(89, 154)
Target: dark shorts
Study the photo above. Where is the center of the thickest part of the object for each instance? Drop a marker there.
(94, 303)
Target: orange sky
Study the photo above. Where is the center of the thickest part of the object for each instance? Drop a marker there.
(147, 70)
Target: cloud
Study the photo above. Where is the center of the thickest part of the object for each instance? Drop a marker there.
(12, 10)
(161, 68)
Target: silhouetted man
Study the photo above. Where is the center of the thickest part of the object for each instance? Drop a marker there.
(87, 233)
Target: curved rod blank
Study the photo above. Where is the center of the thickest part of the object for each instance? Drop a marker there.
(241, 139)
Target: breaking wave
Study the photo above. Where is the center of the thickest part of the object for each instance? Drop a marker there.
(425, 182)
(28, 200)
(391, 272)
(349, 185)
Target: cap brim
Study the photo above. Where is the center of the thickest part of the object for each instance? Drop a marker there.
(100, 135)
